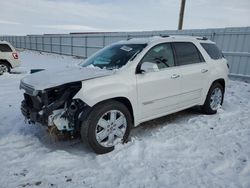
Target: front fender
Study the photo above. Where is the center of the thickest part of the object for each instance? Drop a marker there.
(100, 89)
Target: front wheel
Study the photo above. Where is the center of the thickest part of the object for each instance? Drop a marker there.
(214, 99)
(107, 125)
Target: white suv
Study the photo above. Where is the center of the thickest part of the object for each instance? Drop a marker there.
(8, 57)
(125, 84)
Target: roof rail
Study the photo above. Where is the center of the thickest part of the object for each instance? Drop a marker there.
(201, 38)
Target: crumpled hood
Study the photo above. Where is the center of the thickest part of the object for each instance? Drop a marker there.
(52, 78)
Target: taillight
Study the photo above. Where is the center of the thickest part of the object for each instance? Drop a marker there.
(15, 55)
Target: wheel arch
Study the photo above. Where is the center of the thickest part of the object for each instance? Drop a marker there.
(124, 101)
(5, 61)
(221, 81)
(205, 107)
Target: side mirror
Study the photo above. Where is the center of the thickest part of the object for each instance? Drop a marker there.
(149, 67)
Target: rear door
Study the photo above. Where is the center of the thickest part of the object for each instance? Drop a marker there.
(194, 71)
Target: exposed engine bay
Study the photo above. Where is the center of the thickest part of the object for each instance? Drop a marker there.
(54, 107)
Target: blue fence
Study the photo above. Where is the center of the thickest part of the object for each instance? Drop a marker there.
(234, 42)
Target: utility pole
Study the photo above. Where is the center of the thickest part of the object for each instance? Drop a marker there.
(181, 14)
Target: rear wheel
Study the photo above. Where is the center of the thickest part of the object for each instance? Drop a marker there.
(4, 67)
(214, 99)
(107, 125)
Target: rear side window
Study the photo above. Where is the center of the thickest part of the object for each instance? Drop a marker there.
(212, 50)
(5, 48)
(187, 53)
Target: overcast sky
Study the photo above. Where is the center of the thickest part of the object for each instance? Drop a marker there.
(21, 17)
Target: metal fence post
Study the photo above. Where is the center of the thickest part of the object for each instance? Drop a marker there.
(86, 46)
(21, 42)
(30, 42)
(24, 41)
(71, 41)
(43, 43)
(60, 45)
(36, 42)
(213, 35)
(15, 41)
(103, 41)
(50, 44)
(26, 45)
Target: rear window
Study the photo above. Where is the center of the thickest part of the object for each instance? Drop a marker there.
(5, 48)
(187, 53)
(212, 50)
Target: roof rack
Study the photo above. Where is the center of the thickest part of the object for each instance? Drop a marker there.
(201, 38)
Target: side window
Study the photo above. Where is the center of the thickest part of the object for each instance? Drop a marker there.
(5, 48)
(161, 55)
(187, 53)
(212, 50)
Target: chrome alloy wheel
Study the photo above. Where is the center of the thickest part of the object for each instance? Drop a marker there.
(216, 98)
(111, 128)
(3, 68)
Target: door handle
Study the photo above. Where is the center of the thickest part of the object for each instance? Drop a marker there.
(204, 70)
(174, 76)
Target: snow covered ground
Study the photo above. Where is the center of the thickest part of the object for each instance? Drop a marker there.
(186, 149)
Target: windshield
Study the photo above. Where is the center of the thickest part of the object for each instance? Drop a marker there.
(114, 56)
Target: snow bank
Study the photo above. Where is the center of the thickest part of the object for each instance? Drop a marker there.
(186, 149)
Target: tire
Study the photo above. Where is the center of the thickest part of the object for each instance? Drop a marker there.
(101, 114)
(208, 107)
(4, 67)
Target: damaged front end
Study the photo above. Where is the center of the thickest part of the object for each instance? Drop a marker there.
(54, 106)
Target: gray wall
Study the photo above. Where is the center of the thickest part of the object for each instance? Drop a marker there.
(234, 42)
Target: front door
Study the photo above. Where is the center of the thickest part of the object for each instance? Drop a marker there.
(158, 91)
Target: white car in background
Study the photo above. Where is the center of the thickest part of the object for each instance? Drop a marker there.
(125, 84)
(8, 57)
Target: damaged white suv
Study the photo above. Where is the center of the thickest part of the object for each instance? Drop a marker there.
(125, 84)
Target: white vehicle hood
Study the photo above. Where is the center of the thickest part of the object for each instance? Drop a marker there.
(52, 78)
